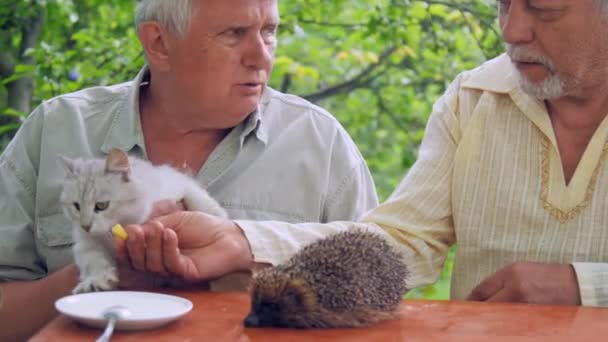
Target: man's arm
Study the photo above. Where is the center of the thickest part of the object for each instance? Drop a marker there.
(418, 215)
(28, 305)
(530, 282)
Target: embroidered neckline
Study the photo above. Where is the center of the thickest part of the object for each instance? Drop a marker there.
(559, 214)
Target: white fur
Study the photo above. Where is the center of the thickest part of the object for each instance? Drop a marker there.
(130, 201)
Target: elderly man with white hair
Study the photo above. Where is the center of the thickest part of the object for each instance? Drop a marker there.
(512, 168)
(201, 102)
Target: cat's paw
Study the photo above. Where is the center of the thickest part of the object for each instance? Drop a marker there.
(100, 282)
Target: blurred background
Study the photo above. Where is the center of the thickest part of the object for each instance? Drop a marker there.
(377, 65)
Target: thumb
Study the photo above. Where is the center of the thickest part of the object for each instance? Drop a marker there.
(120, 250)
(191, 228)
(174, 221)
(487, 288)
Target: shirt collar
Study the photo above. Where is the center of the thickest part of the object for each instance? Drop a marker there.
(125, 131)
(496, 75)
(256, 122)
(500, 76)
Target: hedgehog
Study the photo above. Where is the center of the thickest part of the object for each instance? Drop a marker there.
(349, 279)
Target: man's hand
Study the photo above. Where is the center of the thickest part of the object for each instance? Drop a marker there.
(193, 246)
(529, 282)
(131, 278)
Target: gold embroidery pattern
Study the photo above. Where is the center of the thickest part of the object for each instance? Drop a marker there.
(560, 215)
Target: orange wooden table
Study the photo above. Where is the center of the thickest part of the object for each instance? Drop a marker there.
(219, 316)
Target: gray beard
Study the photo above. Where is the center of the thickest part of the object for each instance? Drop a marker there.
(550, 88)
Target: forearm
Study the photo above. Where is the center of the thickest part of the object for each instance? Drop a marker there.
(28, 305)
(274, 242)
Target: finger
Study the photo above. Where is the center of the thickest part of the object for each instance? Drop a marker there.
(189, 226)
(165, 207)
(136, 246)
(154, 252)
(174, 261)
(193, 227)
(487, 288)
(504, 295)
(174, 220)
(120, 250)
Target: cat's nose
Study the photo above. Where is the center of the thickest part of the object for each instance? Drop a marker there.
(86, 228)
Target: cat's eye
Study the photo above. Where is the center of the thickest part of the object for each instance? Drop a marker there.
(77, 206)
(101, 206)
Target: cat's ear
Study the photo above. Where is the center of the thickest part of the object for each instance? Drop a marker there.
(68, 165)
(117, 161)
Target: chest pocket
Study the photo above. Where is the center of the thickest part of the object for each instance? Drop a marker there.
(54, 230)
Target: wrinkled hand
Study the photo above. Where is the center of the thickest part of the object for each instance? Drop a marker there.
(192, 246)
(529, 282)
(131, 278)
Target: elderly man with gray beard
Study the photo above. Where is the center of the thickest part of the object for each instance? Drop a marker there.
(512, 168)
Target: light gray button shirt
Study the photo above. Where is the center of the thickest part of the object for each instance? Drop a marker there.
(289, 160)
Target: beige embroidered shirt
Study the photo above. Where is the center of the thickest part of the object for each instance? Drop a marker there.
(489, 178)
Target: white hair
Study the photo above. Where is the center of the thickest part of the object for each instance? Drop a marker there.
(174, 15)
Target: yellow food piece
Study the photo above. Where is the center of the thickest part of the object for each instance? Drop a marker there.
(119, 232)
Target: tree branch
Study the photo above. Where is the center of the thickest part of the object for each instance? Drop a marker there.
(30, 35)
(7, 60)
(7, 64)
(354, 82)
(286, 83)
(20, 91)
(458, 6)
(332, 24)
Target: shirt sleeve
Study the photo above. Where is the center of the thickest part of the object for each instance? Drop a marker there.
(592, 282)
(351, 188)
(18, 163)
(418, 216)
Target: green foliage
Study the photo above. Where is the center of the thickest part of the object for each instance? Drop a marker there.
(93, 39)
(411, 50)
(377, 65)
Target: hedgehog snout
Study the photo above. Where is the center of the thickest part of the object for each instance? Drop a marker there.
(262, 319)
(252, 320)
(262, 315)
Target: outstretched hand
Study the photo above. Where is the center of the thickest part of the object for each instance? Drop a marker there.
(192, 246)
(529, 282)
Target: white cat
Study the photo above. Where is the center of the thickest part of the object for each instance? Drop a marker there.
(99, 193)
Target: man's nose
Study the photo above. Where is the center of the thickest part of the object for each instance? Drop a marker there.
(259, 54)
(517, 23)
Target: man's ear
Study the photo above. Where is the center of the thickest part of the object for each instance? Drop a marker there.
(155, 40)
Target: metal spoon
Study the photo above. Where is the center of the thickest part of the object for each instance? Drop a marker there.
(112, 314)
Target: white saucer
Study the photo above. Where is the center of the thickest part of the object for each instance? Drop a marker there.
(147, 309)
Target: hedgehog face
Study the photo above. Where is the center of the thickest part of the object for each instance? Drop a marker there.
(279, 302)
